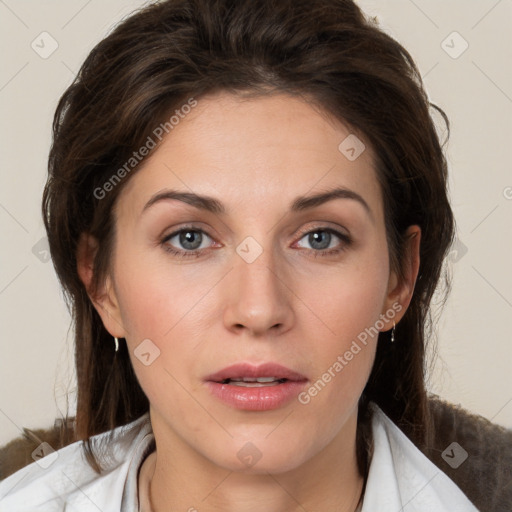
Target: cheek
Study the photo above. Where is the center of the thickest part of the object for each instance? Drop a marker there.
(160, 303)
(346, 307)
(154, 298)
(349, 298)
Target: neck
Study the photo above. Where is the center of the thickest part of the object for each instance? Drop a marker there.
(176, 478)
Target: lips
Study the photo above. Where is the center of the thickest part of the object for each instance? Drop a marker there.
(267, 373)
(256, 387)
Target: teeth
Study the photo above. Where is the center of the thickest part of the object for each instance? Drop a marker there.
(254, 381)
(253, 384)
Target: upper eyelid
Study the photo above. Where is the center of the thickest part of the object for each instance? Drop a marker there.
(324, 227)
(185, 227)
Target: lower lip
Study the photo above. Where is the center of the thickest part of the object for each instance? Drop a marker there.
(263, 398)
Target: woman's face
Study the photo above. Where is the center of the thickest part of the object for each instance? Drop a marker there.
(260, 275)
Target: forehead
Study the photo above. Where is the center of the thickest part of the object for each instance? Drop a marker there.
(249, 150)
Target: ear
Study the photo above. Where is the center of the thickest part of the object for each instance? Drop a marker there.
(400, 289)
(103, 298)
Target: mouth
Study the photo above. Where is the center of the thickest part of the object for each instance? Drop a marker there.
(249, 375)
(256, 387)
(248, 382)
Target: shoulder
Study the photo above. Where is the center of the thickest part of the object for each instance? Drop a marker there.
(474, 452)
(402, 476)
(64, 477)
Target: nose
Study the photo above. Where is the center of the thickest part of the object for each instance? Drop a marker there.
(258, 299)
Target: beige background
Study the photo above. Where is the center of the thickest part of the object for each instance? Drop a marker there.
(475, 89)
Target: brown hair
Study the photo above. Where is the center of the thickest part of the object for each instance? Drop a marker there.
(168, 52)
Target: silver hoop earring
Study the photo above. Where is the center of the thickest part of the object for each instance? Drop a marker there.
(393, 333)
(116, 341)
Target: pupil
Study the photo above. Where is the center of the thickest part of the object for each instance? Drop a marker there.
(187, 239)
(319, 235)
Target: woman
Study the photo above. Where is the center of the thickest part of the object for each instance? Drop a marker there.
(247, 209)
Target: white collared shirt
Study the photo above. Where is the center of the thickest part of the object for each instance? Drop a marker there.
(401, 478)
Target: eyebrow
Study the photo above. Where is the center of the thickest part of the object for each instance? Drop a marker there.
(213, 205)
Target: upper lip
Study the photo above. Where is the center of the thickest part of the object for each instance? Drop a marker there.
(240, 370)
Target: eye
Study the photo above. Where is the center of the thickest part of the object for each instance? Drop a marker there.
(323, 241)
(187, 241)
(192, 242)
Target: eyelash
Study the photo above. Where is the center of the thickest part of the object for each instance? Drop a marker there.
(346, 240)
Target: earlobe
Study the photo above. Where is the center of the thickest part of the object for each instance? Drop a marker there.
(401, 288)
(103, 297)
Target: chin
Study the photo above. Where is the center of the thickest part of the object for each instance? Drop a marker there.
(262, 457)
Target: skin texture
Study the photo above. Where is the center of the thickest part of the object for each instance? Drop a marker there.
(287, 306)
